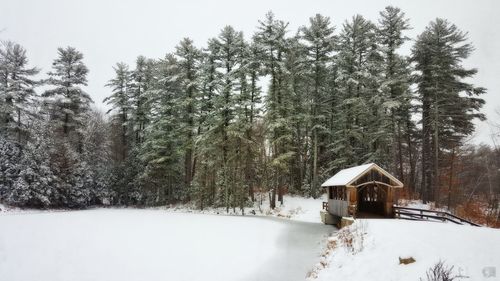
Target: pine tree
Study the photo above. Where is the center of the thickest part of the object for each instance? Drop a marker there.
(36, 185)
(163, 143)
(249, 113)
(188, 77)
(230, 44)
(319, 44)
(121, 102)
(10, 158)
(206, 152)
(270, 38)
(17, 89)
(141, 77)
(358, 79)
(297, 85)
(449, 103)
(396, 90)
(70, 102)
(96, 157)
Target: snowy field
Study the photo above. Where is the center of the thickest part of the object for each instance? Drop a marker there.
(150, 245)
(471, 250)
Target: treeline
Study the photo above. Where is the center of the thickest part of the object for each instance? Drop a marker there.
(278, 112)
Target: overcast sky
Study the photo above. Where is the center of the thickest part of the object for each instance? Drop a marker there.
(112, 31)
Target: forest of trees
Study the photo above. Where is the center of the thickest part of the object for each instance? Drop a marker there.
(277, 112)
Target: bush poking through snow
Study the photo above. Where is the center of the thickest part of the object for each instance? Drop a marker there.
(440, 272)
(353, 237)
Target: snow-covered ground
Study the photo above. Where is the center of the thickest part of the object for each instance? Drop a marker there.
(470, 250)
(178, 243)
(129, 245)
(294, 208)
(418, 204)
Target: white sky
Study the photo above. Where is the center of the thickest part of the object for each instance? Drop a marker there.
(112, 31)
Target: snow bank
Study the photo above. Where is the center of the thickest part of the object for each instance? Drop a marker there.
(294, 208)
(4, 209)
(469, 249)
(299, 208)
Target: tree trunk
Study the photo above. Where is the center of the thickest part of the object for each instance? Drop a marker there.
(314, 184)
(400, 154)
(436, 157)
(411, 160)
(450, 185)
(19, 125)
(426, 153)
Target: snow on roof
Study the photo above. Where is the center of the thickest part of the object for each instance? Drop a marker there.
(344, 176)
(347, 176)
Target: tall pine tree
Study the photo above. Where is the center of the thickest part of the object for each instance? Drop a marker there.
(449, 103)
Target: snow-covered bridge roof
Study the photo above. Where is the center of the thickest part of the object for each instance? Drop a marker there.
(347, 177)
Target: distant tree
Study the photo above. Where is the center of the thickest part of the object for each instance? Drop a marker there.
(69, 101)
(188, 77)
(10, 159)
(120, 101)
(97, 157)
(165, 136)
(17, 89)
(249, 112)
(141, 78)
(207, 154)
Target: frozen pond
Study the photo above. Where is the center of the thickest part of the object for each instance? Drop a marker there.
(124, 244)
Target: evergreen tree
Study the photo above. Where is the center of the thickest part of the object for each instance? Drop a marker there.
(358, 72)
(96, 157)
(69, 101)
(36, 185)
(249, 113)
(319, 45)
(141, 78)
(163, 145)
(10, 158)
(396, 91)
(298, 87)
(16, 89)
(270, 38)
(206, 152)
(188, 78)
(449, 103)
(230, 51)
(121, 102)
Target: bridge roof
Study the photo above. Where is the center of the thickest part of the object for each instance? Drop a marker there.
(347, 177)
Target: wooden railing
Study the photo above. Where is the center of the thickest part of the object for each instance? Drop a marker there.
(430, 215)
(325, 205)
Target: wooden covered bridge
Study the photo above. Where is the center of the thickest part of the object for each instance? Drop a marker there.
(361, 191)
(368, 191)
